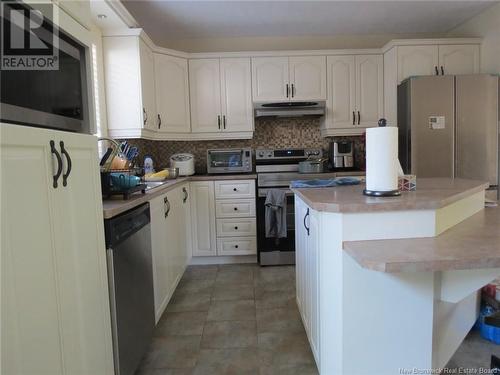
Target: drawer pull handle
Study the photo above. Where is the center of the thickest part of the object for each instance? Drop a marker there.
(236, 246)
(236, 208)
(234, 189)
(235, 228)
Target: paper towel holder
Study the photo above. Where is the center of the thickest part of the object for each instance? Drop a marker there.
(389, 193)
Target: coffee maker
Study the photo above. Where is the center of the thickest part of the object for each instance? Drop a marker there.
(342, 154)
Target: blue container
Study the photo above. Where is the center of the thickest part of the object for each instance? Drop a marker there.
(488, 332)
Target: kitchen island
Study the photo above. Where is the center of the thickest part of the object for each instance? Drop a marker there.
(389, 285)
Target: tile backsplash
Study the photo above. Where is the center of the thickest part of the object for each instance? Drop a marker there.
(269, 133)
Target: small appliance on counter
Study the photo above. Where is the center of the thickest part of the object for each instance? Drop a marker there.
(185, 163)
(342, 155)
(229, 161)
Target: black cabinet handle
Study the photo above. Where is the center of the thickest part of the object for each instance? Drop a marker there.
(236, 208)
(224, 121)
(287, 90)
(353, 118)
(59, 164)
(218, 121)
(442, 70)
(68, 160)
(359, 117)
(236, 246)
(305, 217)
(293, 90)
(144, 115)
(436, 69)
(167, 204)
(186, 195)
(159, 121)
(234, 189)
(235, 228)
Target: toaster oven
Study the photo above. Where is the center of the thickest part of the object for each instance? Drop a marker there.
(229, 160)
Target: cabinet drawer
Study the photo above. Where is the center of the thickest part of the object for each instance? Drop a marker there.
(235, 189)
(236, 246)
(236, 227)
(235, 208)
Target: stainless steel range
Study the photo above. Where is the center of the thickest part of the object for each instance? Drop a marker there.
(275, 170)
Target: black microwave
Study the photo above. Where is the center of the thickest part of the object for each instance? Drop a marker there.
(49, 98)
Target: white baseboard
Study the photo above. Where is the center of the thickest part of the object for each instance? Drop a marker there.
(224, 259)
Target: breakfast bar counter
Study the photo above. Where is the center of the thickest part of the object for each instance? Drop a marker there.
(390, 285)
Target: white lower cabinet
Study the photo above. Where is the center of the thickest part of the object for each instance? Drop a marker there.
(203, 218)
(170, 242)
(223, 217)
(55, 306)
(307, 272)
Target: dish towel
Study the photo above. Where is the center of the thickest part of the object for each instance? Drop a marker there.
(324, 183)
(275, 213)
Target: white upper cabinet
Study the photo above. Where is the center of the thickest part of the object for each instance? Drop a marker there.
(78, 9)
(341, 91)
(148, 85)
(406, 59)
(459, 59)
(204, 89)
(172, 94)
(236, 94)
(288, 78)
(270, 79)
(130, 90)
(220, 92)
(355, 94)
(369, 89)
(307, 77)
(417, 61)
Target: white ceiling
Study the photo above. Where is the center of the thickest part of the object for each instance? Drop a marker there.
(164, 19)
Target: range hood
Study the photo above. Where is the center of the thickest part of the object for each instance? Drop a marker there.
(290, 109)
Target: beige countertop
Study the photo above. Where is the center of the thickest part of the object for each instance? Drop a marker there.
(474, 243)
(117, 205)
(432, 193)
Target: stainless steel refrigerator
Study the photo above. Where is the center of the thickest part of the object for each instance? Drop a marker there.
(449, 127)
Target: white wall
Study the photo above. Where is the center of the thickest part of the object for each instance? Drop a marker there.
(487, 26)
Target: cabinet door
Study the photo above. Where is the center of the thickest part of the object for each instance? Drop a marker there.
(341, 92)
(459, 59)
(417, 61)
(78, 9)
(185, 226)
(147, 86)
(236, 95)
(172, 94)
(308, 77)
(369, 89)
(270, 79)
(30, 315)
(204, 90)
(55, 308)
(160, 261)
(300, 253)
(81, 258)
(203, 218)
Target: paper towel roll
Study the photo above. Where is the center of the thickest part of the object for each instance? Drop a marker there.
(382, 159)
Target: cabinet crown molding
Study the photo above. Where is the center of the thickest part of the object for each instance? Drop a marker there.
(422, 42)
(323, 52)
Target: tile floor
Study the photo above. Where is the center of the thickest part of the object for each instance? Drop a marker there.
(243, 319)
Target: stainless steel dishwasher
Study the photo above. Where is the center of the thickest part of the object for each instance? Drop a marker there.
(130, 274)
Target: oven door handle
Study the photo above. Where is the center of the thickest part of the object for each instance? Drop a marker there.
(305, 218)
(262, 193)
